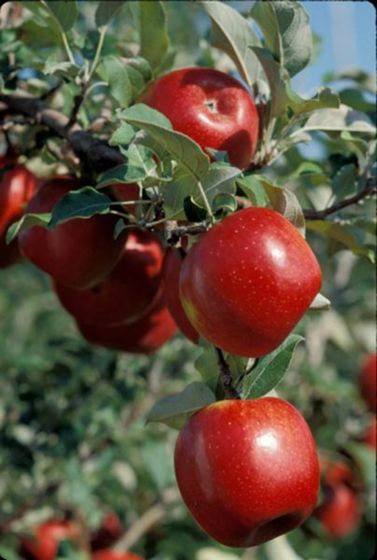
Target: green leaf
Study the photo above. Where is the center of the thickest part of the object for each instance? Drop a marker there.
(282, 200)
(122, 135)
(234, 36)
(224, 203)
(82, 203)
(207, 364)
(270, 369)
(27, 221)
(184, 150)
(343, 234)
(65, 13)
(344, 182)
(253, 190)
(143, 114)
(337, 120)
(154, 39)
(113, 70)
(65, 70)
(175, 409)
(220, 179)
(320, 303)
(285, 25)
(124, 173)
(106, 10)
(277, 78)
(325, 98)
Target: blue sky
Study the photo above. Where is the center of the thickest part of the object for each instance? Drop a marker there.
(348, 35)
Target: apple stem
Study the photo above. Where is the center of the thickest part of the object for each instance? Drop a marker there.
(226, 377)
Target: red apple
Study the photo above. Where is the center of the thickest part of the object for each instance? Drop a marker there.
(107, 533)
(45, 544)
(247, 469)
(248, 281)
(128, 292)
(127, 192)
(79, 253)
(171, 269)
(211, 107)
(17, 186)
(370, 436)
(114, 555)
(367, 381)
(144, 336)
(340, 511)
(334, 472)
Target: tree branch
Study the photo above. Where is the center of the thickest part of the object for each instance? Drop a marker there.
(226, 377)
(368, 190)
(96, 152)
(147, 520)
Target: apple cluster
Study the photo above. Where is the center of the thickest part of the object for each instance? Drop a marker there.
(46, 539)
(247, 469)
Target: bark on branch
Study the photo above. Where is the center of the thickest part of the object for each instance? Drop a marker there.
(96, 152)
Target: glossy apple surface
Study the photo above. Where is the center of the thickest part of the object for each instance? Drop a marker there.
(248, 281)
(144, 336)
(45, 544)
(247, 469)
(171, 270)
(367, 381)
(340, 511)
(107, 533)
(211, 107)
(113, 555)
(129, 290)
(78, 253)
(17, 186)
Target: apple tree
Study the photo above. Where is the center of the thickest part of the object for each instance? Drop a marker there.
(187, 321)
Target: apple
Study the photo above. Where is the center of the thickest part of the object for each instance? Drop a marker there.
(127, 192)
(367, 381)
(248, 281)
(340, 511)
(79, 253)
(211, 107)
(334, 472)
(45, 543)
(114, 555)
(128, 292)
(107, 533)
(171, 269)
(247, 469)
(144, 336)
(370, 436)
(17, 186)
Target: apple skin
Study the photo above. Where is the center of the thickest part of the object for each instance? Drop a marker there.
(370, 436)
(114, 555)
(367, 381)
(247, 470)
(171, 269)
(107, 533)
(248, 281)
(211, 107)
(340, 511)
(45, 544)
(128, 292)
(79, 253)
(127, 192)
(17, 186)
(145, 336)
